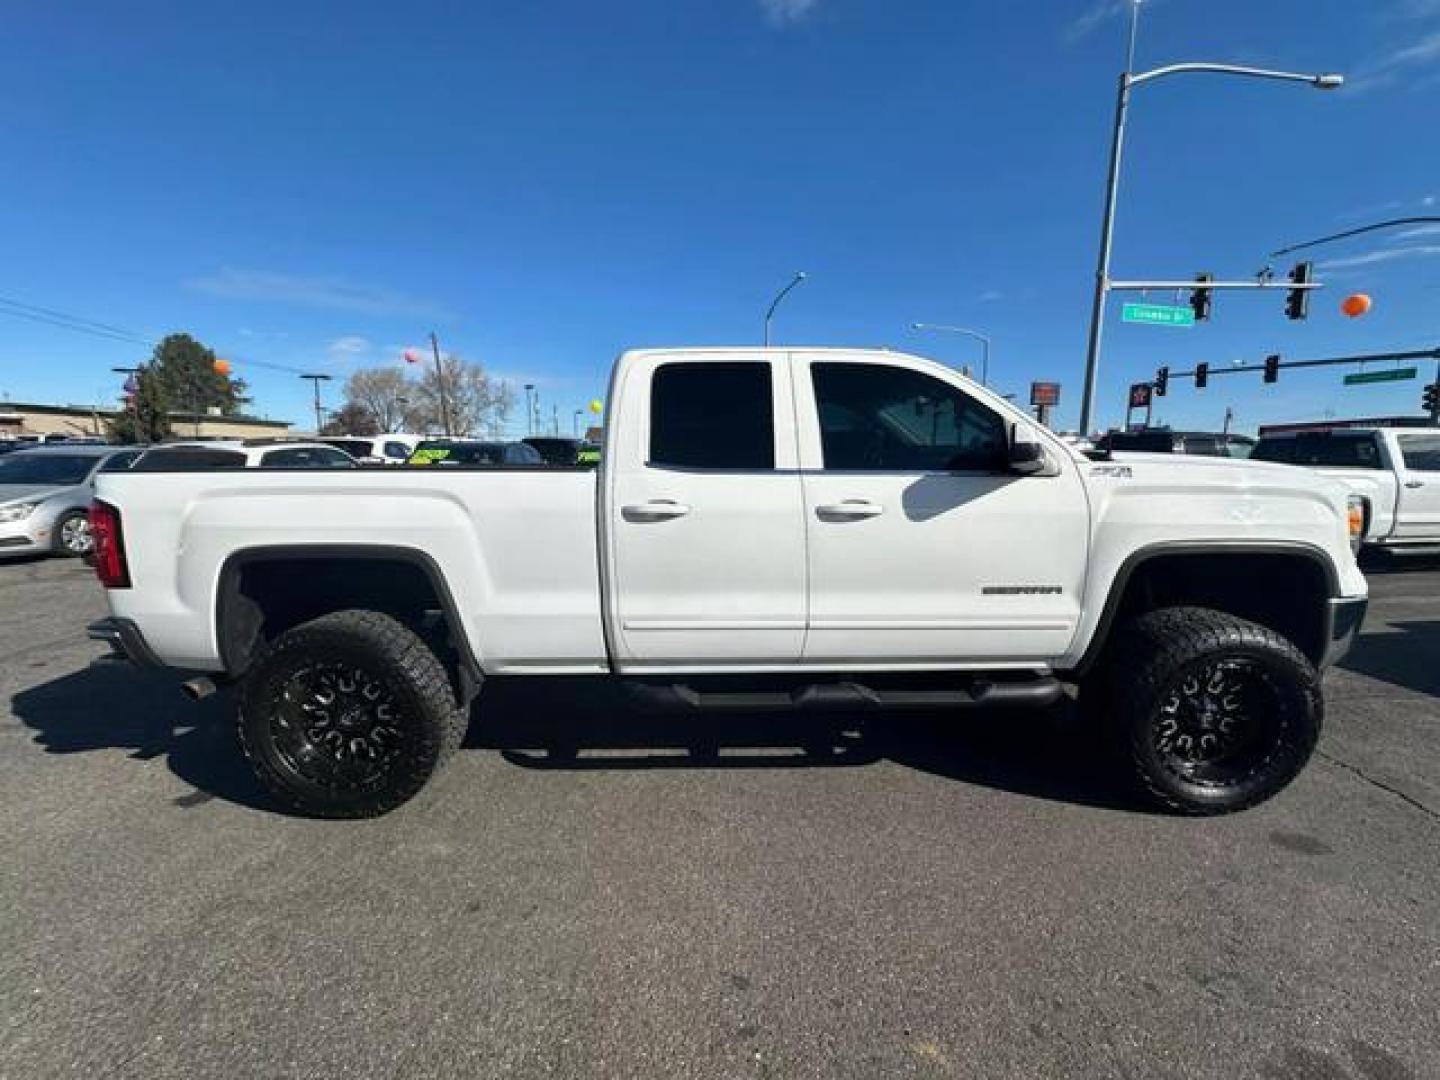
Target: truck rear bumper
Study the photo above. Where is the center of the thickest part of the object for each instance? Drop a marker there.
(125, 641)
(1343, 619)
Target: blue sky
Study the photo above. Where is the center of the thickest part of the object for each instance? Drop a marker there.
(317, 186)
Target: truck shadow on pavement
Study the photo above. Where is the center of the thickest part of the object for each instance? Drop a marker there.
(114, 707)
(590, 725)
(1406, 655)
(587, 725)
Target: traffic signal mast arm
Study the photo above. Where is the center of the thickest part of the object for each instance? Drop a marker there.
(1211, 372)
(1192, 283)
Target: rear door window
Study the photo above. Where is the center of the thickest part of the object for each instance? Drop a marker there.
(306, 457)
(712, 416)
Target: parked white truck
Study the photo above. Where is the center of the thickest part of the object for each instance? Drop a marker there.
(767, 529)
(1393, 472)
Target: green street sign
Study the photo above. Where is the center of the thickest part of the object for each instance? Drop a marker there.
(1399, 374)
(1158, 314)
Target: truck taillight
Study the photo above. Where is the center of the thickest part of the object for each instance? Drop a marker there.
(109, 546)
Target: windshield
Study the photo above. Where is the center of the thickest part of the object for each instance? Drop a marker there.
(58, 469)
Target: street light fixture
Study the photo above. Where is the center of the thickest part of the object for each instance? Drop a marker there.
(1128, 81)
(796, 280)
(984, 341)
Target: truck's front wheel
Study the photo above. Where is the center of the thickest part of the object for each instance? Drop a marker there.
(348, 716)
(1215, 713)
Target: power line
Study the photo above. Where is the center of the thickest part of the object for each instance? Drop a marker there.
(80, 324)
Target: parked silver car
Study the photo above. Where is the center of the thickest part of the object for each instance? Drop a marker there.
(45, 494)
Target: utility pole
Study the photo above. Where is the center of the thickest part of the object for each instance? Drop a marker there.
(554, 419)
(1229, 419)
(575, 422)
(529, 408)
(440, 384)
(315, 381)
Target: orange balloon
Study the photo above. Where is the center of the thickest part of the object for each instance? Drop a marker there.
(1356, 304)
(222, 367)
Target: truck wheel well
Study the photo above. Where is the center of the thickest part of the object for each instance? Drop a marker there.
(1284, 591)
(263, 594)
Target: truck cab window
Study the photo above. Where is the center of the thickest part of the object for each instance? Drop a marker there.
(879, 418)
(712, 416)
(1421, 452)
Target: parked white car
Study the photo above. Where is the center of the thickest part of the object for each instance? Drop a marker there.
(767, 528)
(243, 453)
(1394, 471)
(388, 449)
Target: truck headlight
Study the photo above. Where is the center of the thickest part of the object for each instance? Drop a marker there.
(1355, 514)
(17, 511)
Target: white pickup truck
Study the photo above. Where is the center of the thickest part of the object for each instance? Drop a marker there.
(768, 529)
(1394, 472)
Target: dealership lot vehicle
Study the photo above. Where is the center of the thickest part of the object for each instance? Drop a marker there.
(818, 528)
(45, 493)
(1394, 471)
(598, 892)
(475, 452)
(244, 453)
(1165, 441)
(389, 449)
(557, 450)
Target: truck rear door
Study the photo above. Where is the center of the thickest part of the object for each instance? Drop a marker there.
(704, 523)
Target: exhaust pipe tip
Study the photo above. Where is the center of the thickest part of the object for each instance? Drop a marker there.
(198, 689)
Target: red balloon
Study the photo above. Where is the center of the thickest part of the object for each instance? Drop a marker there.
(1356, 304)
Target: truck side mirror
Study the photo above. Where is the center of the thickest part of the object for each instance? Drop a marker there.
(1026, 457)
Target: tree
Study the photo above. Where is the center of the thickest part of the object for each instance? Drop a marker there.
(352, 419)
(475, 403)
(384, 393)
(146, 417)
(185, 371)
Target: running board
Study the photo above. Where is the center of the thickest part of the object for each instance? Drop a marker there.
(1032, 691)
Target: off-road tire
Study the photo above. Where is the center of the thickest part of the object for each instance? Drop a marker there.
(1151, 662)
(426, 727)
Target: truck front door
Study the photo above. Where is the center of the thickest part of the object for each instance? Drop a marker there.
(925, 549)
(705, 526)
(1418, 513)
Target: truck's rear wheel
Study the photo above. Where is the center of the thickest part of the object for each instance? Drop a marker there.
(348, 716)
(1215, 713)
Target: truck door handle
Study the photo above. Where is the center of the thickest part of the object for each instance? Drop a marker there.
(849, 510)
(1414, 483)
(654, 510)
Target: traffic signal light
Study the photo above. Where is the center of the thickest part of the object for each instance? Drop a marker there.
(1202, 376)
(1432, 398)
(1272, 368)
(1200, 298)
(1162, 381)
(1298, 300)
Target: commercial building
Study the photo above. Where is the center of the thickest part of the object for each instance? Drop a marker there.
(19, 419)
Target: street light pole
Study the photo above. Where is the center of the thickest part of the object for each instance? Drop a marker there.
(440, 384)
(529, 409)
(799, 277)
(983, 339)
(1128, 81)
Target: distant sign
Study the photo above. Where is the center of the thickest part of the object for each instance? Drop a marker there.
(1140, 395)
(1399, 374)
(1044, 393)
(1158, 314)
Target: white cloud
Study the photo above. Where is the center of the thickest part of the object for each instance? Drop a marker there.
(348, 348)
(1388, 68)
(1097, 15)
(297, 290)
(1370, 258)
(786, 12)
(989, 296)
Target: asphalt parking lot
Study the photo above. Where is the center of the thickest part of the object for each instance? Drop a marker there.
(588, 893)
